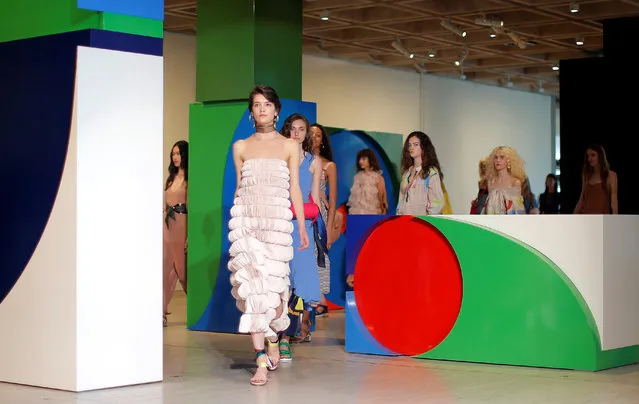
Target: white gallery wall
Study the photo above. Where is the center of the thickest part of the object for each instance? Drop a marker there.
(465, 120)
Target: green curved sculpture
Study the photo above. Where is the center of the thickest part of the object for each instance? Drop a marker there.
(519, 308)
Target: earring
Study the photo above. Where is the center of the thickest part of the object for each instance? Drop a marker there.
(252, 119)
(277, 118)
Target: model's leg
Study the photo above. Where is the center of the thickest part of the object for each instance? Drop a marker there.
(260, 377)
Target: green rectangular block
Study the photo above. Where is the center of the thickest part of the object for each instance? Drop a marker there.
(132, 25)
(33, 18)
(247, 42)
(211, 130)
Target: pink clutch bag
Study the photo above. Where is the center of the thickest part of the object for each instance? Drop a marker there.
(311, 210)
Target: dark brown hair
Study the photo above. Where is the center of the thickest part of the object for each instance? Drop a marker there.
(325, 150)
(183, 147)
(268, 93)
(372, 160)
(307, 144)
(429, 155)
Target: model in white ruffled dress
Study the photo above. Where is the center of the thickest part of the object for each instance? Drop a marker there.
(267, 169)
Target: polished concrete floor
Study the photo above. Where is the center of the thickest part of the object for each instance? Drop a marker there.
(215, 368)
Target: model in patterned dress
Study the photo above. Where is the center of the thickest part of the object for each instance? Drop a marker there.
(328, 201)
(267, 169)
(505, 174)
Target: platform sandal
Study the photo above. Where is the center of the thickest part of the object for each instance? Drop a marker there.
(263, 361)
(285, 352)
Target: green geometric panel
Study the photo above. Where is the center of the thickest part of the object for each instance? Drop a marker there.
(244, 42)
(22, 19)
(211, 129)
(132, 25)
(518, 307)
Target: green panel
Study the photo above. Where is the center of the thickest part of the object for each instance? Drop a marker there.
(225, 59)
(211, 129)
(32, 18)
(21, 19)
(518, 307)
(128, 24)
(244, 42)
(278, 46)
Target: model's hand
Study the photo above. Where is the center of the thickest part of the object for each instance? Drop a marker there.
(303, 238)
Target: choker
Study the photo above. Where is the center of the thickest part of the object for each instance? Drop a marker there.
(264, 128)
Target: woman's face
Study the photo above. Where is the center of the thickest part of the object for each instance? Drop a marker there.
(500, 161)
(364, 164)
(414, 147)
(263, 110)
(593, 157)
(176, 157)
(550, 183)
(316, 134)
(298, 130)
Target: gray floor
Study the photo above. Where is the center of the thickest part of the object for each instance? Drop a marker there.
(215, 368)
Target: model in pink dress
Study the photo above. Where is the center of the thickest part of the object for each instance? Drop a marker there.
(175, 223)
(267, 170)
(368, 193)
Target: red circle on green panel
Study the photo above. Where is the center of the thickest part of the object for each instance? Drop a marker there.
(408, 285)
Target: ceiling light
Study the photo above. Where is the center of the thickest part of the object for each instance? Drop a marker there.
(574, 7)
(431, 53)
(453, 28)
(324, 15)
(489, 23)
(555, 67)
(492, 35)
(579, 41)
(399, 47)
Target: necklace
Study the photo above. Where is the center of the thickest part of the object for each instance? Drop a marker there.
(265, 128)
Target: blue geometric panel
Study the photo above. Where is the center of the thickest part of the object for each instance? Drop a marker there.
(35, 119)
(152, 9)
(221, 314)
(127, 42)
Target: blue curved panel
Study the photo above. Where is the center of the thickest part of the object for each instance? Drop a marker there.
(221, 314)
(35, 119)
(358, 338)
(345, 145)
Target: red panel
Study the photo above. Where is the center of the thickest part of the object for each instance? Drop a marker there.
(409, 285)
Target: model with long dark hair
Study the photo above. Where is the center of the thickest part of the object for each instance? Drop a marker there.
(599, 184)
(421, 190)
(174, 250)
(328, 207)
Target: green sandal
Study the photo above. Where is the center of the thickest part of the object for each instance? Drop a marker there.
(285, 354)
